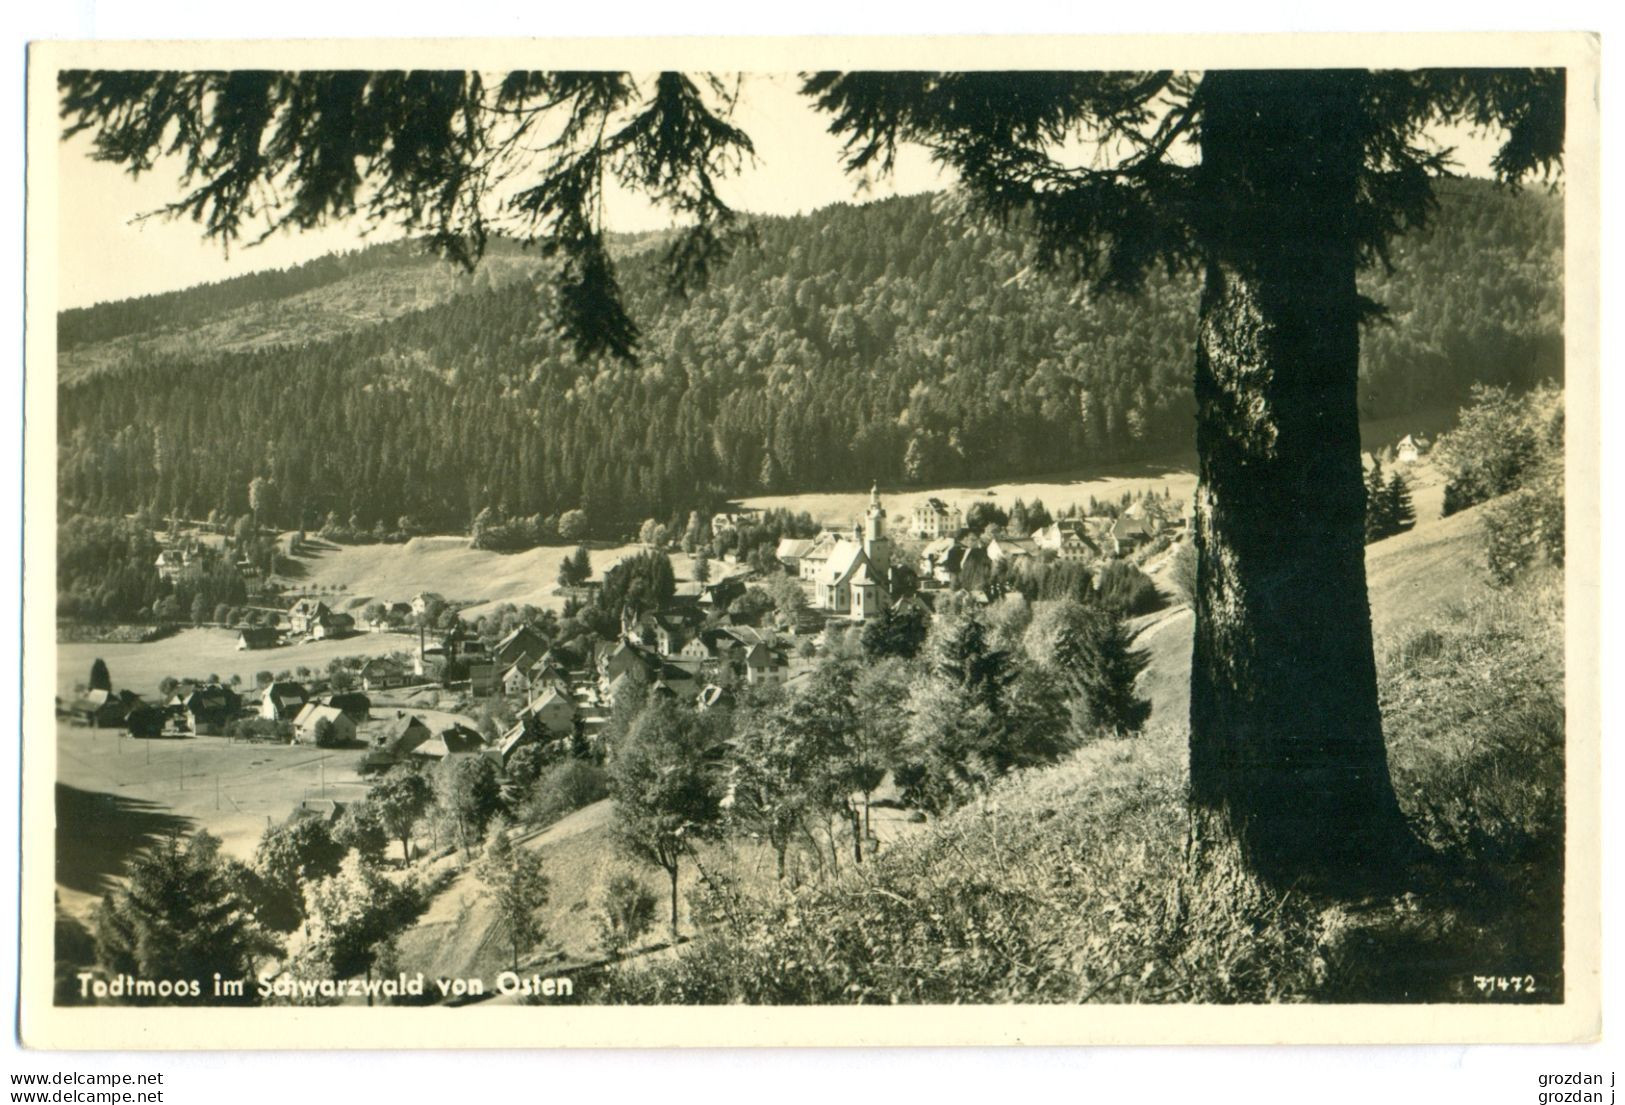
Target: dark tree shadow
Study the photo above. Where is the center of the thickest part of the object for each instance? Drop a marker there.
(96, 833)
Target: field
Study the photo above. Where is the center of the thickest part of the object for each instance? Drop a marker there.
(115, 794)
(1174, 475)
(354, 575)
(200, 653)
(1057, 493)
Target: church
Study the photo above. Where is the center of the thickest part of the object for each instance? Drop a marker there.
(852, 582)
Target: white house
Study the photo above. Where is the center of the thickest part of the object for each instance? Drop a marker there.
(935, 518)
(323, 725)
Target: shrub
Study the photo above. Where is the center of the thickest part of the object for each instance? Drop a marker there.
(1125, 588)
(626, 915)
(1523, 529)
(1421, 646)
(1085, 897)
(563, 788)
(1182, 572)
(1498, 442)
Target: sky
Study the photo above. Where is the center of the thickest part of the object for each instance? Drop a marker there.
(109, 253)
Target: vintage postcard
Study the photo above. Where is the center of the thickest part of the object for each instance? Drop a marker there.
(872, 541)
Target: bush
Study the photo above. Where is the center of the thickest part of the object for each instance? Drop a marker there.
(259, 729)
(563, 788)
(1419, 647)
(627, 914)
(1085, 896)
(1125, 588)
(1182, 572)
(1523, 529)
(1499, 442)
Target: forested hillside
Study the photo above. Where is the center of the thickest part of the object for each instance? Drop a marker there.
(885, 342)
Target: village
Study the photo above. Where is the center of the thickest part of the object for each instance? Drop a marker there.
(425, 684)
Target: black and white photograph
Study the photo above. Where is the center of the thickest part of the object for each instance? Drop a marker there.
(965, 530)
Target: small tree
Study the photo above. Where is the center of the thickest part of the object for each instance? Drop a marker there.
(665, 788)
(1401, 511)
(573, 525)
(895, 632)
(100, 678)
(1379, 520)
(471, 793)
(702, 567)
(288, 858)
(401, 798)
(361, 829)
(627, 913)
(518, 889)
(351, 917)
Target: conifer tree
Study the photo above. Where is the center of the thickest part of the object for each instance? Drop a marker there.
(1401, 511)
(180, 916)
(1379, 522)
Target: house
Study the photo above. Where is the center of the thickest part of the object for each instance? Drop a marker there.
(553, 711)
(719, 593)
(324, 726)
(518, 736)
(145, 721)
(482, 678)
(713, 697)
(790, 551)
(1000, 548)
(304, 615)
(516, 680)
(450, 739)
(762, 665)
(256, 637)
(208, 708)
(1068, 539)
(398, 740)
(282, 701)
(381, 673)
(934, 518)
(389, 616)
(621, 658)
(853, 580)
(332, 624)
(326, 810)
(171, 562)
(521, 641)
(816, 556)
(1411, 449)
(1138, 525)
(727, 520)
(356, 706)
(940, 560)
(100, 708)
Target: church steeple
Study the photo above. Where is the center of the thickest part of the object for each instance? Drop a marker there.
(876, 545)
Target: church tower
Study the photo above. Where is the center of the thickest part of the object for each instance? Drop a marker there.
(876, 545)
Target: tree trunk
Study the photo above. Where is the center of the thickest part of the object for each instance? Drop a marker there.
(1286, 746)
(672, 871)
